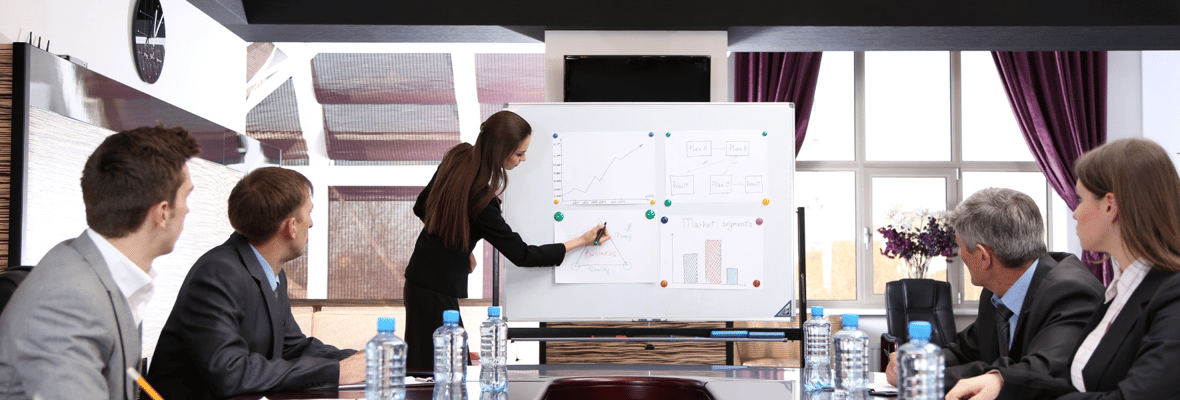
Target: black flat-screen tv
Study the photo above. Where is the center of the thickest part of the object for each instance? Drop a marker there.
(637, 78)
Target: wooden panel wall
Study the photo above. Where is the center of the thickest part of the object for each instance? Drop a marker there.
(6, 71)
(697, 353)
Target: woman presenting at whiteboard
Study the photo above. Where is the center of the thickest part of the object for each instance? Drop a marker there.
(459, 207)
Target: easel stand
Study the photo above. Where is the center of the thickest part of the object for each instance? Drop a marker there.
(653, 335)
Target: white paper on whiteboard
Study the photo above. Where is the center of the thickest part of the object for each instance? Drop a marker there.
(630, 256)
(712, 253)
(604, 168)
(716, 166)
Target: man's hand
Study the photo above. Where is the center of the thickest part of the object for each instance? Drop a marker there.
(983, 387)
(891, 369)
(352, 369)
(472, 267)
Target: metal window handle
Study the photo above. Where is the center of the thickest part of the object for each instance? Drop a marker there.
(868, 237)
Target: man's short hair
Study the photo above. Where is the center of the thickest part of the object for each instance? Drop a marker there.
(1005, 220)
(130, 172)
(264, 198)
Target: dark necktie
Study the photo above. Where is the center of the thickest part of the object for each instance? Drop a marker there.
(1003, 314)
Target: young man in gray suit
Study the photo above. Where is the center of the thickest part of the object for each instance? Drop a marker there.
(71, 330)
(231, 331)
(1034, 304)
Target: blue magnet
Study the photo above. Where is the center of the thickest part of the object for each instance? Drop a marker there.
(651, 134)
(664, 219)
(555, 135)
(651, 214)
(559, 216)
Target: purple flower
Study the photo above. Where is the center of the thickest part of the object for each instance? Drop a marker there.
(935, 238)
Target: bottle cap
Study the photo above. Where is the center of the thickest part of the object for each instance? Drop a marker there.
(493, 311)
(451, 316)
(817, 311)
(920, 330)
(850, 321)
(386, 324)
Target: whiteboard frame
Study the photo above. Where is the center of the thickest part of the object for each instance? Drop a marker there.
(530, 293)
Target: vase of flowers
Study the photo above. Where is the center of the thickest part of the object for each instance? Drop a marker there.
(916, 237)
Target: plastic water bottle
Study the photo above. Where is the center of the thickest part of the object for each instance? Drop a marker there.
(920, 365)
(450, 350)
(852, 360)
(817, 341)
(385, 363)
(450, 391)
(493, 354)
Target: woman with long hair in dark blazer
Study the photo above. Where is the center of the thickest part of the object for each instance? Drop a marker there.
(460, 207)
(1130, 209)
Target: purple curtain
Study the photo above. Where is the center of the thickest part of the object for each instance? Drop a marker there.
(1059, 99)
(779, 77)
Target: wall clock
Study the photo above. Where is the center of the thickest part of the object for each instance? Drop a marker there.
(147, 39)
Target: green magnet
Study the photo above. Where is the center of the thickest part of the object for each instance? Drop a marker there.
(668, 203)
(651, 214)
(764, 133)
(559, 216)
(669, 134)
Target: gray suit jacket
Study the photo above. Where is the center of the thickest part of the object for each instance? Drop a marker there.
(68, 332)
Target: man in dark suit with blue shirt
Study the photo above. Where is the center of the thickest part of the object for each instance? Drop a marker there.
(1034, 304)
(231, 331)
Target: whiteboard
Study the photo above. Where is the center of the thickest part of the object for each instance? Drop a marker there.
(722, 255)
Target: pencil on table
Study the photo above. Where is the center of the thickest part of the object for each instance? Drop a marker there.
(143, 383)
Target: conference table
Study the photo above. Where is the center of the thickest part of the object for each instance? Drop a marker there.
(531, 382)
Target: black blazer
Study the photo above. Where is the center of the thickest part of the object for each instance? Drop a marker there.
(437, 267)
(1062, 296)
(229, 334)
(1138, 357)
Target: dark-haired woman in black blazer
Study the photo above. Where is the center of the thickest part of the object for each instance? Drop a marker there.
(460, 207)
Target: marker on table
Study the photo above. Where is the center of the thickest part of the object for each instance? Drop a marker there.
(596, 238)
(143, 383)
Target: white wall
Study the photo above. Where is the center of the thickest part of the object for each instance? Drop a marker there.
(1161, 100)
(559, 44)
(204, 65)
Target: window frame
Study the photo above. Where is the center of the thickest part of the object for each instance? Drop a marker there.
(953, 170)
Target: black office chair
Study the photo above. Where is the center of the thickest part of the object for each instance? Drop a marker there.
(909, 300)
(9, 279)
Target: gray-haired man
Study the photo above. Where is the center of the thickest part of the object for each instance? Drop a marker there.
(1034, 304)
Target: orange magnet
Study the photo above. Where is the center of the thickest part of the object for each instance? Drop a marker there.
(555, 201)
(765, 202)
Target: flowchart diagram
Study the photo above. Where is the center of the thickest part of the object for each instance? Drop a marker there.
(716, 166)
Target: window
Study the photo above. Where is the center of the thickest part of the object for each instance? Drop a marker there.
(905, 130)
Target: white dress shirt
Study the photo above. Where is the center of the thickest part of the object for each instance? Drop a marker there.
(1119, 291)
(134, 284)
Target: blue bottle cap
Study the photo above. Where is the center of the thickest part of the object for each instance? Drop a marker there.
(451, 316)
(920, 330)
(493, 311)
(386, 324)
(850, 321)
(817, 311)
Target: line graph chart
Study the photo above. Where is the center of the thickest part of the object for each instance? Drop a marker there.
(603, 168)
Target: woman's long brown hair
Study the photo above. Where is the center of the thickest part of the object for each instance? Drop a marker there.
(1146, 188)
(470, 176)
